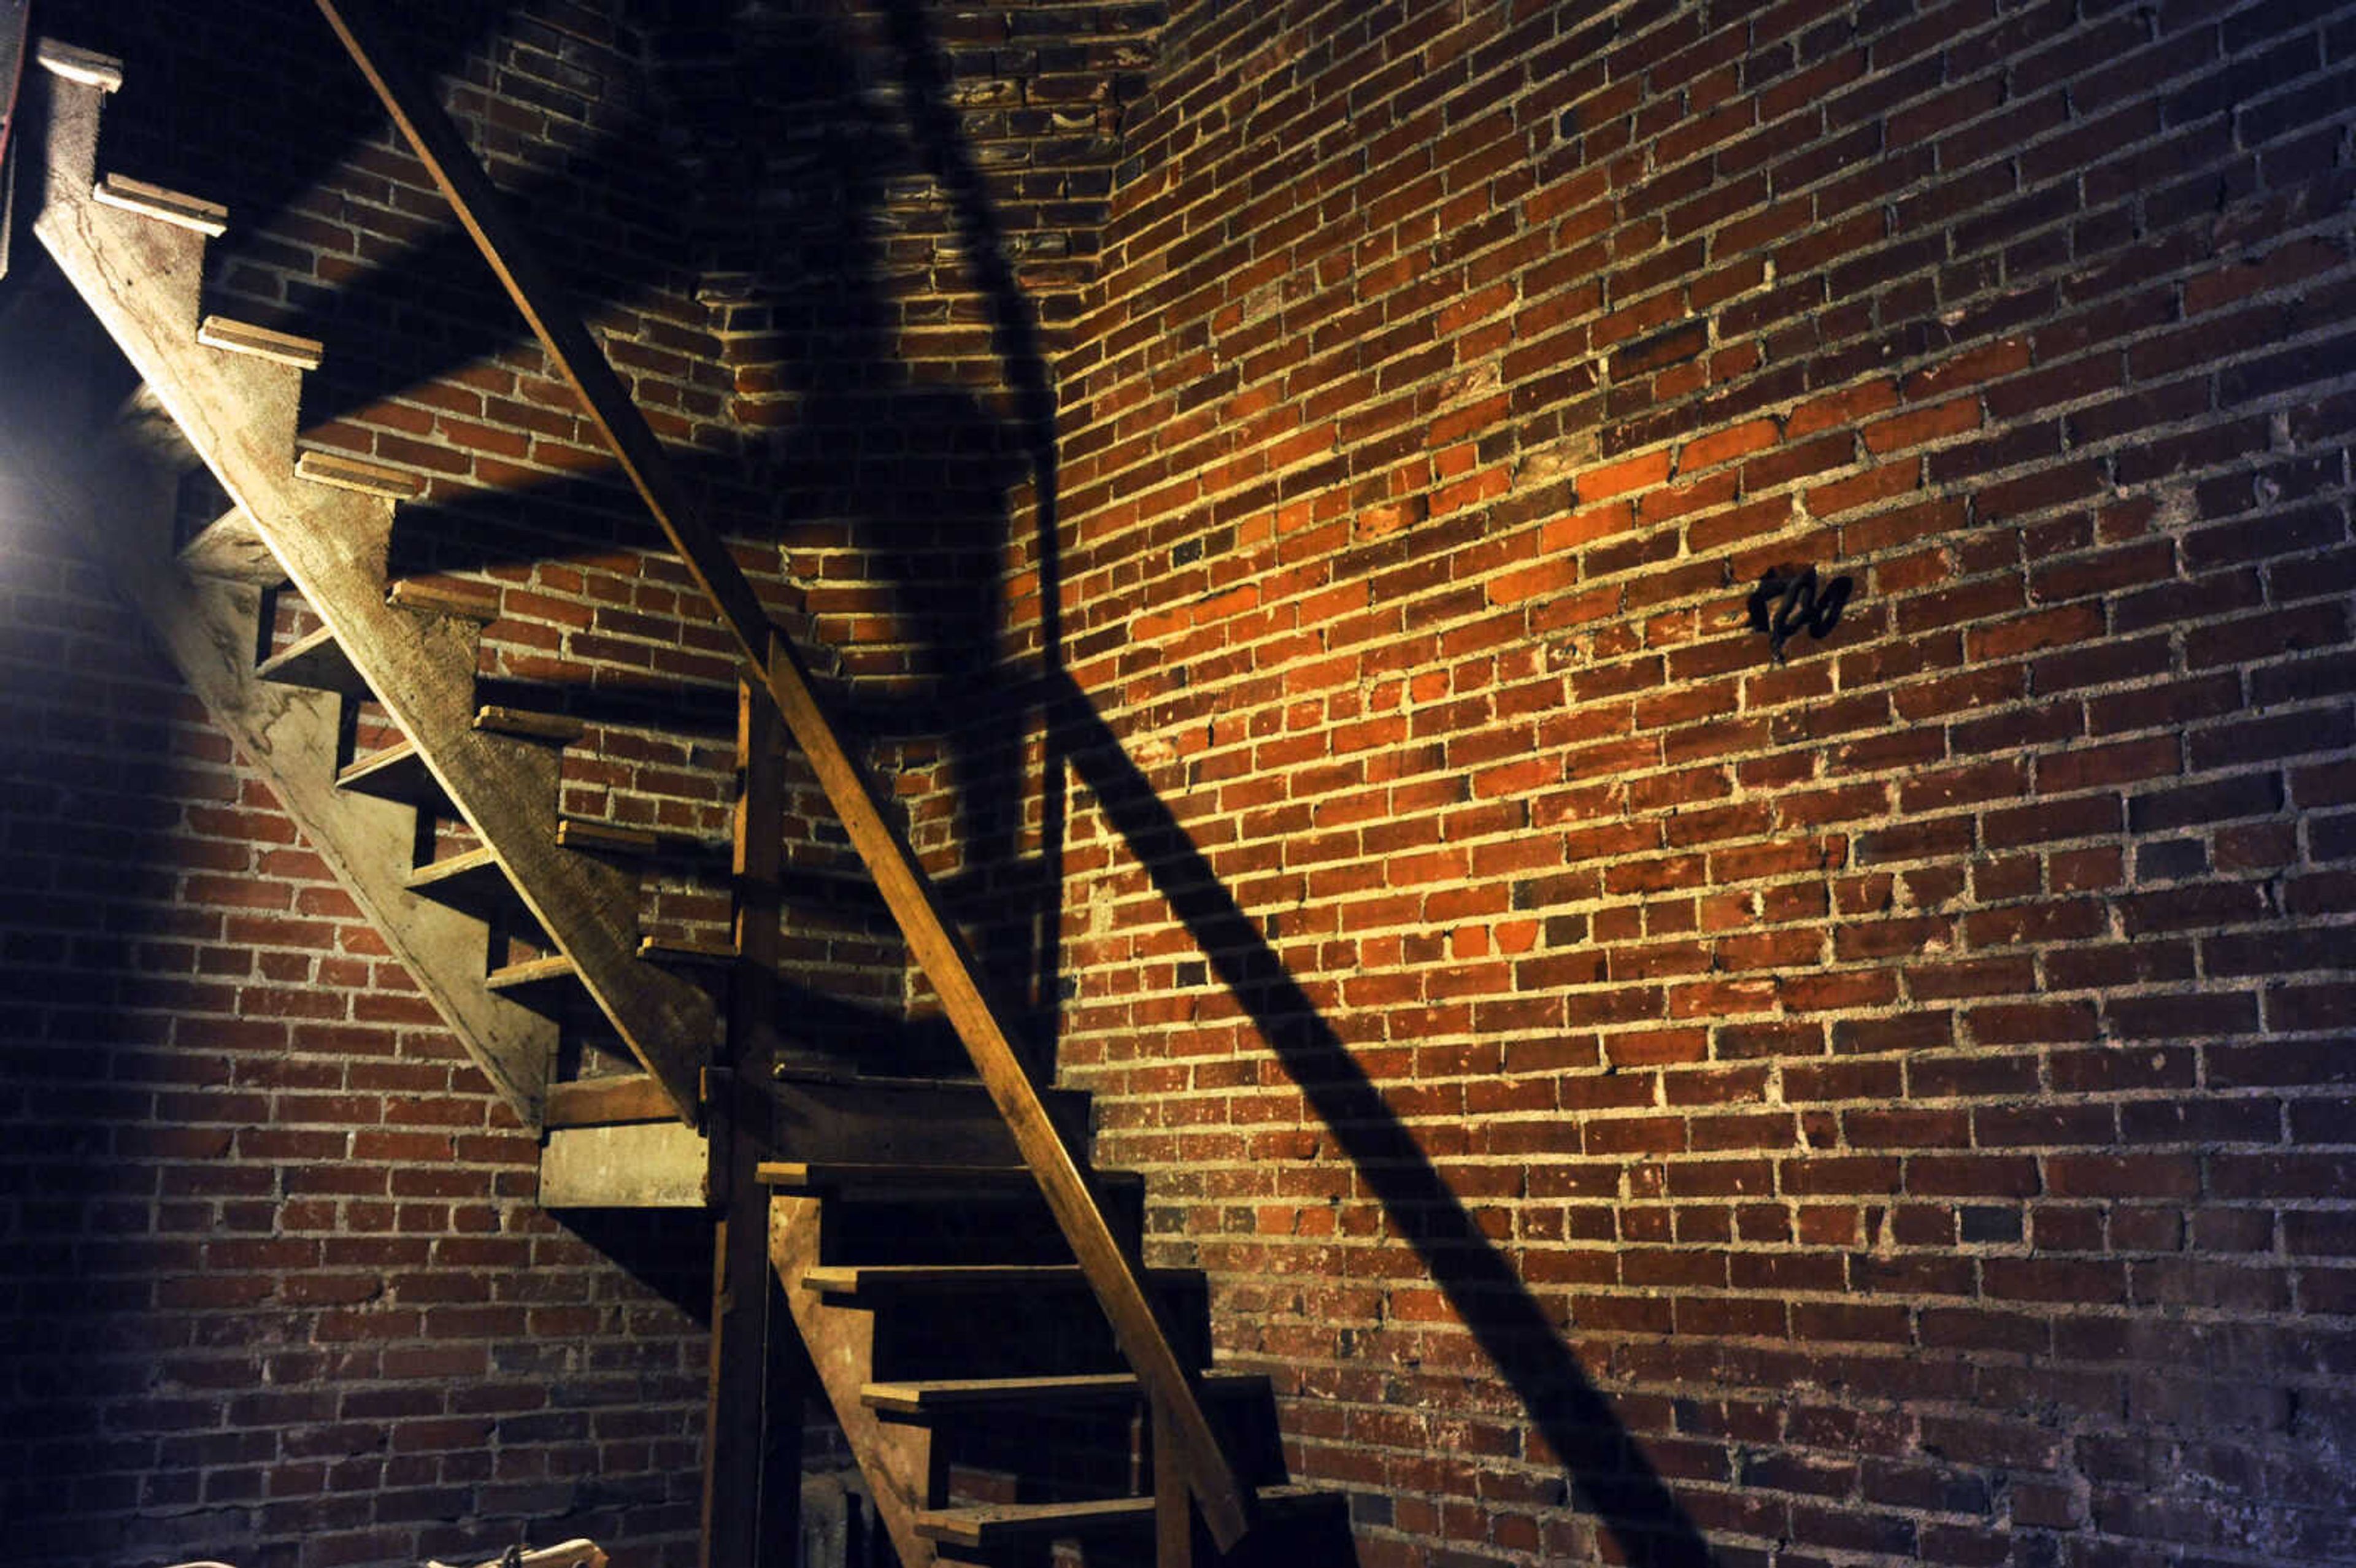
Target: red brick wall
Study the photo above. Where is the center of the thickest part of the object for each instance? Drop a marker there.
(1887, 1106)
(275, 1290)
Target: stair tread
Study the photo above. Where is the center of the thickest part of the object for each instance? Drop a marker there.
(932, 1395)
(396, 773)
(821, 1176)
(988, 1525)
(555, 969)
(315, 660)
(207, 218)
(605, 839)
(86, 66)
(677, 950)
(345, 472)
(262, 342)
(468, 600)
(527, 725)
(853, 1279)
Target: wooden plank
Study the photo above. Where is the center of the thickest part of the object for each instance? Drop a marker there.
(896, 1456)
(1143, 1337)
(870, 1282)
(190, 212)
(816, 1177)
(346, 472)
(87, 67)
(477, 601)
(534, 975)
(630, 1165)
(681, 951)
(918, 1401)
(525, 724)
(603, 837)
(994, 1527)
(244, 338)
(590, 1101)
(751, 1499)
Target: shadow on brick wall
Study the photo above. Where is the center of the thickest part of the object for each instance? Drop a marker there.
(1603, 1470)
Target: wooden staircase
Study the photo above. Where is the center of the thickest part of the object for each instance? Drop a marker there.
(945, 1255)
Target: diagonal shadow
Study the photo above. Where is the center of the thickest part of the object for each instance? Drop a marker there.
(1607, 1474)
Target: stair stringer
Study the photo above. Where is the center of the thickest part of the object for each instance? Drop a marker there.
(897, 1457)
(140, 275)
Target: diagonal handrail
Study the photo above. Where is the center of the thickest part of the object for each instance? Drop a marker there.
(777, 668)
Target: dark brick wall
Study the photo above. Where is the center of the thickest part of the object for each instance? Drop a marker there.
(276, 1289)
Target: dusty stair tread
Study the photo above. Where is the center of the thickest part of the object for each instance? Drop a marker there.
(835, 1176)
(532, 976)
(85, 65)
(346, 472)
(397, 773)
(986, 1527)
(686, 952)
(604, 838)
(939, 1395)
(606, 1102)
(262, 342)
(207, 218)
(849, 1281)
(315, 660)
(527, 725)
(879, 1177)
(466, 601)
(230, 547)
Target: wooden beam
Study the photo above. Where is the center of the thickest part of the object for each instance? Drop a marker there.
(751, 1510)
(939, 949)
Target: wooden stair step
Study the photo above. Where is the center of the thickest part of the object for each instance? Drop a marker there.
(85, 65)
(880, 1178)
(867, 1283)
(604, 838)
(998, 1527)
(315, 660)
(682, 952)
(535, 981)
(207, 218)
(347, 473)
(825, 1115)
(527, 725)
(396, 773)
(918, 1401)
(262, 342)
(466, 601)
(231, 549)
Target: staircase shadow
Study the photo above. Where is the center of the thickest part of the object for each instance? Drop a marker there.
(1605, 1472)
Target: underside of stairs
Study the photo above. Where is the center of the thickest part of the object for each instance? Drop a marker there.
(968, 1291)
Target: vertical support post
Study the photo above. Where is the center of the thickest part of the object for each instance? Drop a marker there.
(1173, 1506)
(752, 1471)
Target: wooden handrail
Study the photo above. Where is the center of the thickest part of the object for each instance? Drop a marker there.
(774, 665)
